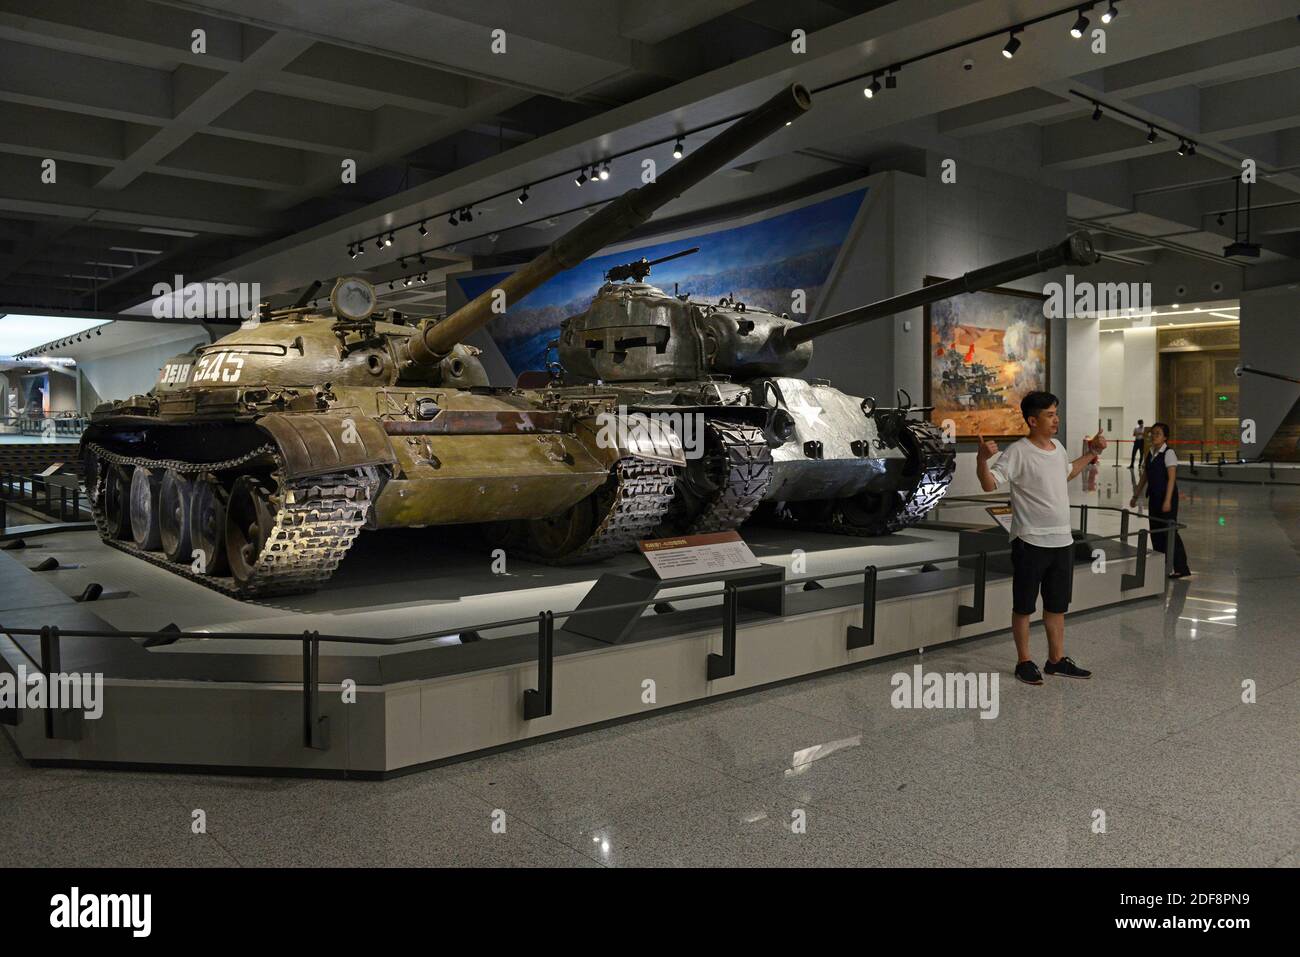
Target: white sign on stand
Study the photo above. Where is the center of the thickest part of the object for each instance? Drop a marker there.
(706, 554)
(1002, 515)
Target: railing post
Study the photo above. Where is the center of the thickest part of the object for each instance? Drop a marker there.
(76, 503)
(48, 508)
(973, 613)
(1083, 519)
(60, 722)
(63, 503)
(866, 635)
(1139, 576)
(1123, 528)
(724, 665)
(315, 727)
(538, 702)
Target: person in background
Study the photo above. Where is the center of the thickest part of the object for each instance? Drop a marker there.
(1139, 433)
(1037, 471)
(1160, 482)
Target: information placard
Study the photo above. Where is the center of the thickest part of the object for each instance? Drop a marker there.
(1002, 515)
(688, 555)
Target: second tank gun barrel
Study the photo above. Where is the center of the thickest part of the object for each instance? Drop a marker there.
(612, 222)
(1076, 250)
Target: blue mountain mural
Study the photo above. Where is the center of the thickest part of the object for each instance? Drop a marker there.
(759, 263)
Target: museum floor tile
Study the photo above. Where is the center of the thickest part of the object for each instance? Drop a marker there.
(1157, 761)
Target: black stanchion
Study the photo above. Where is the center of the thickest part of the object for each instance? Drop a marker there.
(538, 702)
(866, 635)
(974, 613)
(1139, 576)
(316, 727)
(724, 665)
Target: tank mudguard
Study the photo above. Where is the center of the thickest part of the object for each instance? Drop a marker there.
(638, 434)
(313, 443)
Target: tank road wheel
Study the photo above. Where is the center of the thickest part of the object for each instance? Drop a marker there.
(559, 535)
(144, 509)
(117, 502)
(175, 498)
(250, 519)
(207, 515)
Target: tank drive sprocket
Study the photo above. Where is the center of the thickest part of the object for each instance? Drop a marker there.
(314, 522)
(721, 490)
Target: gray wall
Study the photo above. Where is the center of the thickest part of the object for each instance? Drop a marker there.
(1270, 320)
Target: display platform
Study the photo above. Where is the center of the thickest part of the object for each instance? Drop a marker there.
(371, 707)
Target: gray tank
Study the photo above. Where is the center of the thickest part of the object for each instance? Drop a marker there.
(727, 378)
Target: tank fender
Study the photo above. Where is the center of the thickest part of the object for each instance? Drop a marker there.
(313, 443)
(637, 434)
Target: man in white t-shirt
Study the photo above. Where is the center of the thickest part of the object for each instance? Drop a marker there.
(1037, 471)
(1139, 437)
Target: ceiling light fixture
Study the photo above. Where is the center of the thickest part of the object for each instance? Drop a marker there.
(1013, 44)
(604, 170)
(389, 240)
(1096, 112)
(580, 178)
(678, 149)
(522, 197)
(467, 215)
(1080, 26)
(1182, 147)
(891, 78)
(424, 230)
(1110, 14)
(1151, 135)
(873, 87)
(451, 219)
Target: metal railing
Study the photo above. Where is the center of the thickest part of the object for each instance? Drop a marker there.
(539, 702)
(59, 501)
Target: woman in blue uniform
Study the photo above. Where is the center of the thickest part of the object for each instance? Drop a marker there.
(1161, 486)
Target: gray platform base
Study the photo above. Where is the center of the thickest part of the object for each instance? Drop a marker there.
(239, 712)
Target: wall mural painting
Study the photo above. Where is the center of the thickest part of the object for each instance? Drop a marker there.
(760, 263)
(985, 351)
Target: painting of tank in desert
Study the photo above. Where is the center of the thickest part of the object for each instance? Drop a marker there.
(984, 351)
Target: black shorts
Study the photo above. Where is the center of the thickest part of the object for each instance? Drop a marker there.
(1034, 567)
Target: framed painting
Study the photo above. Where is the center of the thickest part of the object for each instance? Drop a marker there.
(984, 352)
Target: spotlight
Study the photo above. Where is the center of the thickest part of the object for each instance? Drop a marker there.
(580, 178)
(379, 243)
(467, 215)
(389, 240)
(1182, 147)
(1191, 148)
(1110, 14)
(1013, 44)
(604, 171)
(891, 78)
(873, 87)
(352, 253)
(1096, 112)
(1220, 219)
(451, 218)
(1080, 25)
(401, 262)
(361, 249)
(1151, 135)
(679, 149)
(522, 197)
(424, 231)
(420, 256)
(406, 281)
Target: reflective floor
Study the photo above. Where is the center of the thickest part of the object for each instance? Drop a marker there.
(1156, 761)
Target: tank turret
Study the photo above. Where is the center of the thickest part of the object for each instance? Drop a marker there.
(634, 331)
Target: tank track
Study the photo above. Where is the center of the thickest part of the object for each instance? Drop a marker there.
(642, 495)
(938, 465)
(316, 521)
(740, 464)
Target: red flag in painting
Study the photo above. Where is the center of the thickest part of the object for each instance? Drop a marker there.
(970, 353)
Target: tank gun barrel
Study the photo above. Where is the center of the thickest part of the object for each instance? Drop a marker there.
(613, 222)
(1076, 250)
